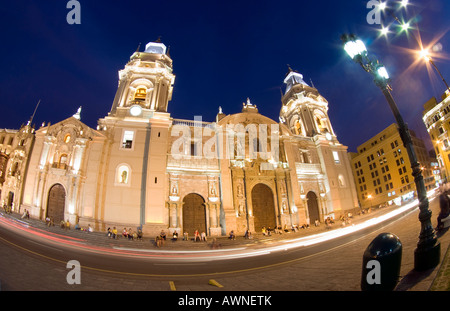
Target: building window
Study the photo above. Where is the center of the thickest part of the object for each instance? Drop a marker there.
(336, 157)
(123, 175)
(140, 94)
(127, 140)
(67, 138)
(15, 169)
(341, 181)
(62, 163)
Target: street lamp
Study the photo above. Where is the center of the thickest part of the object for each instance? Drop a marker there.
(425, 54)
(427, 253)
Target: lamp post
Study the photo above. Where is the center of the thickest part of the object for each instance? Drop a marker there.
(426, 55)
(427, 253)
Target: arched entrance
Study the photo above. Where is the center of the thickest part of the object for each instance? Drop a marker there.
(56, 203)
(194, 214)
(313, 207)
(263, 207)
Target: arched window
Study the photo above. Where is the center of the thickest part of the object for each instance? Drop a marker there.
(299, 128)
(14, 169)
(141, 93)
(123, 175)
(321, 121)
(67, 138)
(341, 181)
(62, 161)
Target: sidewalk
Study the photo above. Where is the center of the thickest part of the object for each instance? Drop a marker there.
(257, 240)
(439, 279)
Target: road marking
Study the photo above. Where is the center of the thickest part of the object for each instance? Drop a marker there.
(172, 286)
(214, 283)
(296, 260)
(43, 245)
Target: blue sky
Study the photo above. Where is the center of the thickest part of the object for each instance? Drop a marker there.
(223, 52)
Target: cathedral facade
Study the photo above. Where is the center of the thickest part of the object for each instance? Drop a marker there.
(141, 167)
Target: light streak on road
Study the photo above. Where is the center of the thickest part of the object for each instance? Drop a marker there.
(213, 254)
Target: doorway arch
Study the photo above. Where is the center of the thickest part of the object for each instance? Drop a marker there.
(313, 207)
(263, 207)
(194, 214)
(56, 203)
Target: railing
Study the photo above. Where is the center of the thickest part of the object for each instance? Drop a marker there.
(193, 123)
(192, 163)
(308, 168)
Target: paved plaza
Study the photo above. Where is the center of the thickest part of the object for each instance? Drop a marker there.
(336, 269)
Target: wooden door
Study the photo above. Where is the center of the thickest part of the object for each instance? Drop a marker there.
(56, 203)
(263, 207)
(194, 214)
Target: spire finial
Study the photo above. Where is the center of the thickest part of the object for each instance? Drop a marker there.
(77, 115)
(32, 117)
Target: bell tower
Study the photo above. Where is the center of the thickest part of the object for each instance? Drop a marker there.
(303, 109)
(145, 84)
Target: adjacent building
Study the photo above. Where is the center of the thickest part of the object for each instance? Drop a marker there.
(436, 117)
(382, 170)
(142, 167)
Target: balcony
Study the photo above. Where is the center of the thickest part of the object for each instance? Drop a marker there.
(308, 169)
(192, 164)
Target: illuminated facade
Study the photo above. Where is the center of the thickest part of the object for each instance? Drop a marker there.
(141, 167)
(15, 148)
(382, 170)
(436, 117)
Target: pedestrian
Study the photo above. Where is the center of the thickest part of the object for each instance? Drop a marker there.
(139, 233)
(175, 236)
(232, 235)
(114, 233)
(158, 241)
(444, 205)
(196, 236)
(203, 236)
(130, 234)
(163, 235)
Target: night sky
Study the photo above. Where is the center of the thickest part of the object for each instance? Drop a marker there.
(223, 52)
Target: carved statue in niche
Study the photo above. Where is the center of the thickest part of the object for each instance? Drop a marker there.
(302, 190)
(241, 208)
(284, 206)
(321, 188)
(174, 189)
(212, 190)
(282, 187)
(123, 177)
(240, 193)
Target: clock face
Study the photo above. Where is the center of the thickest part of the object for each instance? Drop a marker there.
(328, 136)
(135, 110)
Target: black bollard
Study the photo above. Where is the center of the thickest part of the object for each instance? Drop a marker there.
(381, 263)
